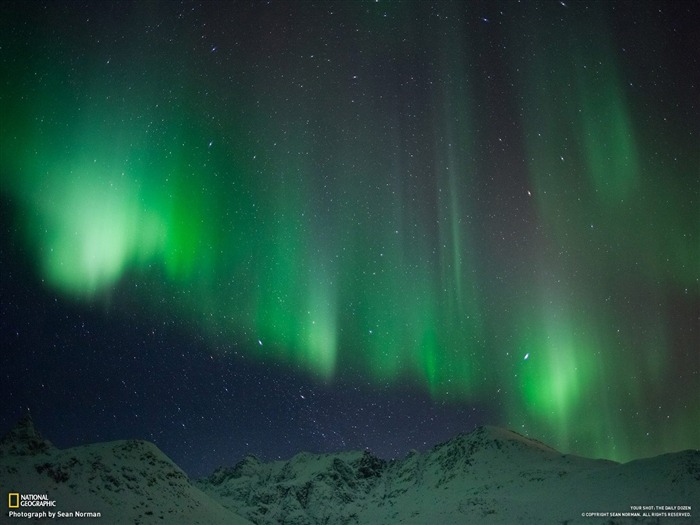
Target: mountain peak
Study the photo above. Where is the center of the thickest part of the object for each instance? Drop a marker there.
(24, 440)
(500, 433)
(504, 434)
(248, 466)
(487, 437)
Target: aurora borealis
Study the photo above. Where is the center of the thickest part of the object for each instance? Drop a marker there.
(361, 224)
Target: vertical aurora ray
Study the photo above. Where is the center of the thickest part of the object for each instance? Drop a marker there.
(320, 341)
(559, 379)
(586, 161)
(597, 197)
(461, 315)
(295, 295)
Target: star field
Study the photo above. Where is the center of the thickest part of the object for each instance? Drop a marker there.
(270, 227)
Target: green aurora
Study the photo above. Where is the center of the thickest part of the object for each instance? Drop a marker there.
(541, 256)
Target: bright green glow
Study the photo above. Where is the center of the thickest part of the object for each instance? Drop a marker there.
(92, 233)
(345, 230)
(90, 227)
(94, 221)
(559, 375)
(321, 338)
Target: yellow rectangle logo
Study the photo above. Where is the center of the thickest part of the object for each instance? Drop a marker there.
(13, 500)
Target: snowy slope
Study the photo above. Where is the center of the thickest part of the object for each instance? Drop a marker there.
(125, 481)
(491, 475)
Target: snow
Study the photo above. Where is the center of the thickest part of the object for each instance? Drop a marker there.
(125, 481)
(489, 476)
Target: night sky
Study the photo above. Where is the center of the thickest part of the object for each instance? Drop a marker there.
(268, 227)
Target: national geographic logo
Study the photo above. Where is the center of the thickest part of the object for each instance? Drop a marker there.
(16, 500)
(34, 507)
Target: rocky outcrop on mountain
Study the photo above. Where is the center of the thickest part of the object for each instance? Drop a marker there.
(490, 475)
(122, 482)
(309, 488)
(24, 440)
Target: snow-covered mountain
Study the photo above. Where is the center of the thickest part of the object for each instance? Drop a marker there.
(124, 481)
(490, 475)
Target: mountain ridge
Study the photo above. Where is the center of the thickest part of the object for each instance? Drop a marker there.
(124, 481)
(489, 475)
